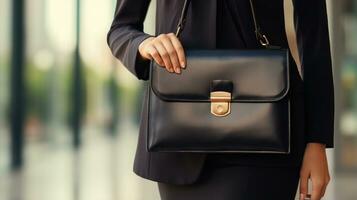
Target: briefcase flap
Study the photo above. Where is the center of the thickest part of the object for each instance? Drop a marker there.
(256, 75)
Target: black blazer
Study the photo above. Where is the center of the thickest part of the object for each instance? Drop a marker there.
(126, 33)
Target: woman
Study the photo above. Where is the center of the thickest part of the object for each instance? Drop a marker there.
(228, 24)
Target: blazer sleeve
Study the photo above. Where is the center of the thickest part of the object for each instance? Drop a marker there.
(314, 48)
(126, 34)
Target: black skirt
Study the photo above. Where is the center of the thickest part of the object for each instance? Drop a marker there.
(237, 183)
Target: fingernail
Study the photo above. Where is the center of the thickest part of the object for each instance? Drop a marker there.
(171, 70)
(178, 70)
(183, 65)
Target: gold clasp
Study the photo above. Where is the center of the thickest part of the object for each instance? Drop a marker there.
(220, 103)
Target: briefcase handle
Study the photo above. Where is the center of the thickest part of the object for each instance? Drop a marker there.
(262, 38)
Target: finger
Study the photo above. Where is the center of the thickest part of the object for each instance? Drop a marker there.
(317, 186)
(164, 55)
(179, 49)
(327, 180)
(152, 51)
(304, 180)
(165, 40)
(323, 190)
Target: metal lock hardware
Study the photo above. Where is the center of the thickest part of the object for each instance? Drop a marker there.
(220, 103)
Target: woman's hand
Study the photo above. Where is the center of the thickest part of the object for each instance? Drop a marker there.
(166, 50)
(314, 167)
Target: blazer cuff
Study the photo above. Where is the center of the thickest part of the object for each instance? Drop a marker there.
(141, 65)
(329, 142)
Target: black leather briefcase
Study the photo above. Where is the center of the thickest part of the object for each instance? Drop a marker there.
(224, 101)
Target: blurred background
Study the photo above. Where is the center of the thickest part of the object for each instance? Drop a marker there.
(69, 111)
